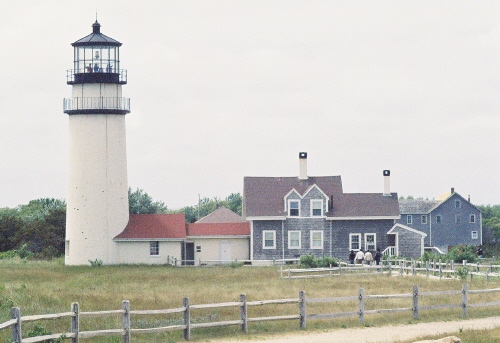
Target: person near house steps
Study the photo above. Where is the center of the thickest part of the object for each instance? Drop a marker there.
(378, 256)
(360, 256)
(352, 256)
(368, 258)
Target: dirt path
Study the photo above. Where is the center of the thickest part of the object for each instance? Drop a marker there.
(384, 334)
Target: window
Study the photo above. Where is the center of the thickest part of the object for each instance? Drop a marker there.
(316, 239)
(472, 218)
(316, 208)
(370, 241)
(294, 240)
(354, 241)
(457, 219)
(474, 235)
(198, 248)
(458, 204)
(424, 219)
(409, 219)
(438, 219)
(154, 248)
(269, 238)
(293, 208)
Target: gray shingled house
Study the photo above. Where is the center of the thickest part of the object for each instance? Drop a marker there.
(448, 221)
(294, 216)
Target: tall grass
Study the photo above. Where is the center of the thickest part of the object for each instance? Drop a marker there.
(40, 287)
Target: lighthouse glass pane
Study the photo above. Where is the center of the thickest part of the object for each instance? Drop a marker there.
(93, 59)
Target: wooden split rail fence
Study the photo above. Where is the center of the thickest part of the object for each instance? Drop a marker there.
(434, 268)
(187, 325)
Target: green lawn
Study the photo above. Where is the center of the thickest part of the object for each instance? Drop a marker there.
(41, 287)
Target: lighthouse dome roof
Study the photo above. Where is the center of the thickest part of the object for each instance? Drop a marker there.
(96, 38)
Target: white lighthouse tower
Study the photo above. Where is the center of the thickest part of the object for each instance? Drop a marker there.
(97, 200)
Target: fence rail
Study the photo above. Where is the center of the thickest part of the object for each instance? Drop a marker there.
(186, 310)
(413, 267)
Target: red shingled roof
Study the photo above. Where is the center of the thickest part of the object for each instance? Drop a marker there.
(154, 226)
(218, 229)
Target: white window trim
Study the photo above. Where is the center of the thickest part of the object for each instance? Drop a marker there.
(374, 241)
(312, 233)
(264, 239)
(423, 219)
(311, 207)
(474, 233)
(409, 219)
(289, 239)
(158, 249)
(288, 209)
(350, 241)
(472, 218)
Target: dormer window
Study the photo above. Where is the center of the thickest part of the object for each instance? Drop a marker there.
(316, 208)
(293, 208)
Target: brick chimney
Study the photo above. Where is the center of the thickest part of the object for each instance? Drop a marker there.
(302, 165)
(387, 183)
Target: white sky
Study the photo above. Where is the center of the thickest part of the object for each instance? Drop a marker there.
(225, 89)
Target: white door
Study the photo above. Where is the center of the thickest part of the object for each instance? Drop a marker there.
(225, 251)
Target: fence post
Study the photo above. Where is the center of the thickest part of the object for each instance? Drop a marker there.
(465, 300)
(281, 272)
(126, 320)
(15, 313)
(361, 295)
(491, 267)
(244, 313)
(440, 270)
(390, 265)
(413, 271)
(477, 267)
(302, 309)
(427, 268)
(187, 319)
(401, 268)
(75, 322)
(452, 265)
(415, 302)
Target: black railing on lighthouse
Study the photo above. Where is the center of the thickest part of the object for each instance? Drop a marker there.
(96, 105)
(83, 75)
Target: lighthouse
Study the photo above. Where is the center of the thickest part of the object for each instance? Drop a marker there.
(97, 198)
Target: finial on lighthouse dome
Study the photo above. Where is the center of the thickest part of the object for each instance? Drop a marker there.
(96, 27)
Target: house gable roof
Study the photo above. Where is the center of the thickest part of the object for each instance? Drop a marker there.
(222, 215)
(154, 227)
(349, 205)
(263, 196)
(404, 227)
(218, 229)
(417, 206)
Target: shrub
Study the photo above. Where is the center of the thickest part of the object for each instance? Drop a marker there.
(95, 263)
(4, 255)
(24, 252)
(463, 252)
(39, 330)
(310, 261)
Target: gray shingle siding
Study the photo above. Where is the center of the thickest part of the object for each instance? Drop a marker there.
(448, 233)
(409, 243)
(335, 236)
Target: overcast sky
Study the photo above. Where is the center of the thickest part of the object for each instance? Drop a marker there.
(225, 89)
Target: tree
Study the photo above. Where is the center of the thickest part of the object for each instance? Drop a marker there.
(10, 224)
(140, 202)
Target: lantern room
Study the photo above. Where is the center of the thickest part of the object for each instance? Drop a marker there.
(96, 59)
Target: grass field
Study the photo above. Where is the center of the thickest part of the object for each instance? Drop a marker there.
(41, 287)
